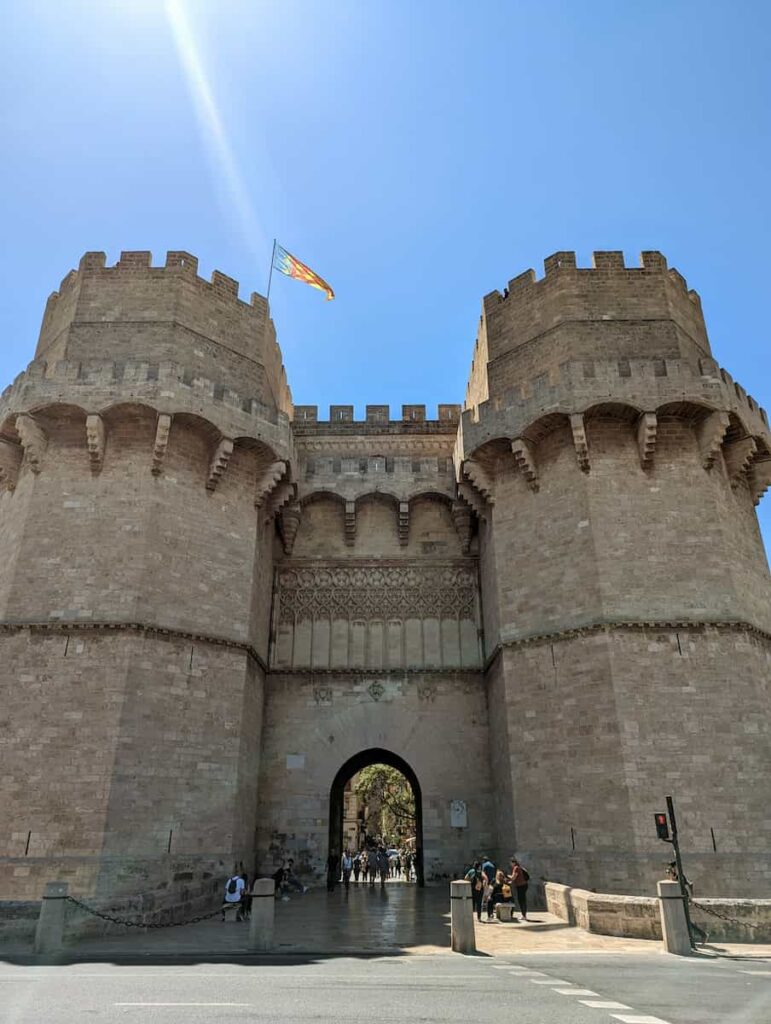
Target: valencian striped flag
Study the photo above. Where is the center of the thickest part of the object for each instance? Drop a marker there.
(288, 264)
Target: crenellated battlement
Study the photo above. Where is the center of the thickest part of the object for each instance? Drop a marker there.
(607, 311)
(134, 310)
(642, 384)
(447, 414)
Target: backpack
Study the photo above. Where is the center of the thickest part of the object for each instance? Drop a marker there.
(233, 885)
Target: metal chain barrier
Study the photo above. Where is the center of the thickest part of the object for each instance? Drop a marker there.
(723, 917)
(139, 924)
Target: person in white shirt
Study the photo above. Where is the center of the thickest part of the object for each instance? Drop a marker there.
(234, 888)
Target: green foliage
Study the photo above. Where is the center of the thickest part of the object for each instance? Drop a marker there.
(387, 791)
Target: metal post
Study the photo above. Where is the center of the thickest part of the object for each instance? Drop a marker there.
(679, 863)
(270, 273)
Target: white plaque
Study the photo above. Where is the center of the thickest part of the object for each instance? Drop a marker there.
(458, 814)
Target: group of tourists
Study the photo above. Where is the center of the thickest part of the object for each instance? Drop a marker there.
(491, 886)
(369, 865)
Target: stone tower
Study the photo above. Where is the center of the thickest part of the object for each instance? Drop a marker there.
(550, 612)
(615, 468)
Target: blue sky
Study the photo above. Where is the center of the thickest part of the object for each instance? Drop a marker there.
(416, 154)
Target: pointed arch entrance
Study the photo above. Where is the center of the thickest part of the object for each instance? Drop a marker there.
(374, 755)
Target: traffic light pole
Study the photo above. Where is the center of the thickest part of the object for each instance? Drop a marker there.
(679, 863)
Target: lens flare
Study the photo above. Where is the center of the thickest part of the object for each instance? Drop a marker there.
(224, 163)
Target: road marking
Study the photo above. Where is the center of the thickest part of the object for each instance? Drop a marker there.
(182, 1004)
(548, 981)
(636, 1018)
(577, 992)
(604, 1004)
(765, 974)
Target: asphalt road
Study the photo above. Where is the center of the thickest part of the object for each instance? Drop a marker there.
(549, 989)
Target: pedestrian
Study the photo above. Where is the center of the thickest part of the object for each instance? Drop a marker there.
(364, 866)
(489, 869)
(382, 864)
(332, 862)
(347, 866)
(398, 866)
(519, 879)
(291, 881)
(233, 889)
(497, 894)
(356, 866)
(246, 898)
(475, 875)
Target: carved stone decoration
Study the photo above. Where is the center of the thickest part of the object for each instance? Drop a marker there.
(647, 427)
(376, 690)
(161, 444)
(219, 463)
(350, 523)
(711, 433)
(267, 481)
(738, 456)
(522, 451)
(95, 436)
(462, 518)
(289, 524)
(480, 479)
(580, 443)
(759, 479)
(322, 695)
(427, 690)
(10, 460)
(376, 592)
(33, 441)
(404, 523)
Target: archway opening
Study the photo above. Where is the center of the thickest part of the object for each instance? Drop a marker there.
(375, 800)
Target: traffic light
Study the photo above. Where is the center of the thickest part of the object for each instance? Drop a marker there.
(662, 825)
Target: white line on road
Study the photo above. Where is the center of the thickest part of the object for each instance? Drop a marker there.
(548, 981)
(604, 1004)
(636, 1018)
(577, 992)
(183, 1004)
(765, 974)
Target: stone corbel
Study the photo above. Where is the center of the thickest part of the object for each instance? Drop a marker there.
(219, 463)
(161, 444)
(580, 443)
(289, 524)
(759, 479)
(738, 456)
(462, 517)
(710, 434)
(350, 523)
(267, 481)
(472, 498)
(280, 496)
(95, 439)
(404, 523)
(10, 461)
(522, 451)
(480, 479)
(647, 427)
(33, 441)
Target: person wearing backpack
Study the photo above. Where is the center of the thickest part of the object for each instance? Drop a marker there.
(234, 888)
(519, 878)
(477, 879)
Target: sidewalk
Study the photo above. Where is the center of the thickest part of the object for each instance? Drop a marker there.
(397, 919)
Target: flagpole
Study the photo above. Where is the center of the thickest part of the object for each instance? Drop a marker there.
(270, 275)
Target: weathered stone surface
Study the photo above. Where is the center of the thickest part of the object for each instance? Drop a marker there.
(556, 610)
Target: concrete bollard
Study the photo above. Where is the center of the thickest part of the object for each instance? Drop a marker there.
(463, 938)
(674, 926)
(263, 914)
(49, 933)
